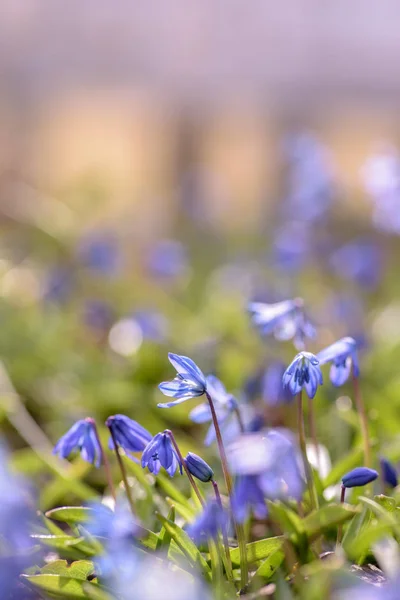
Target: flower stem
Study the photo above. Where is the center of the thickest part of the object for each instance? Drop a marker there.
(363, 420)
(224, 534)
(303, 448)
(313, 431)
(239, 418)
(340, 527)
(123, 473)
(105, 461)
(183, 462)
(228, 481)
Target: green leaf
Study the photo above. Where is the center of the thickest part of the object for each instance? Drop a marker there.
(67, 542)
(345, 464)
(164, 537)
(257, 550)
(358, 522)
(149, 539)
(387, 502)
(80, 569)
(58, 586)
(170, 490)
(185, 544)
(288, 520)
(368, 536)
(71, 514)
(182, 510)
(269, 566)
(326, 517)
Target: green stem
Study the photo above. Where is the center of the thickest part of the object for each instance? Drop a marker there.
(183, 462)
(123, 473)
(229, 486)
(363, 420)
(228, 565)
(104, 460)
(303, 448)
(313, 431)
(340, 527)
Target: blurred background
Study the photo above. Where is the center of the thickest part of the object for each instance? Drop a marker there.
(164, 163)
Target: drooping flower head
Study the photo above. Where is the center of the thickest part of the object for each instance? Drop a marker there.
(82, 437)
(303, 372)
(343, 356)
(128, 434)
(389, 472)
(267, 467)
(160, 452)
(198, 467)
(284, 320)
(358, 477)
(209, 523)
(189, 383)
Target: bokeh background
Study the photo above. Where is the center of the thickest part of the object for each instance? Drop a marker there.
(163, 163)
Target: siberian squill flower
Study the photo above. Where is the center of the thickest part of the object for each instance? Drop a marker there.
(267, 467)
(303, 372)
(198, 467)
(225, 404)
(209, 523)
(167, 260)
(189, 383)
(82, 437)
(128, 435)
(358, 477)
(160, 452)
(343, 357)
(284, 320)
(389, 472)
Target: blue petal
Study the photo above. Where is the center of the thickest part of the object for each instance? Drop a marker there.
(267, 316)
(174, 403)
(340, 349)
(178, 388)
(70, 440)
(200, 414)
(187, 369)
(340, 373)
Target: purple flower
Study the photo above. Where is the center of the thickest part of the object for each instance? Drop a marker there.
(209, 523)
(160, 452)
(82, 437)
(128, 434)
(359, 477)
(198, 467)
(303, 372)
(248, 497)
(343, 356)
(389, 472)
(284, 320)
(189, 383)
(167, 260)
(100, 253)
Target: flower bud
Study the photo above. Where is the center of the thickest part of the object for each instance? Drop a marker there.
(198, 467)
(358, 477)
(388, 472)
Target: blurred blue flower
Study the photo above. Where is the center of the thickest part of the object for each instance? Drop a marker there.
(359, 261)
(160, 452)
(309, 177)
(167, 260)
(153, 325)
(358, 477)
(343, 356)
(224, 402)
(389, 472)
(272, 390)
(98, 315)
(82, 437)
(268, 467)
(248, 497)
(209, 523)
(100, 253)
(303, 372)
(189, 382)
(284, 320)
(198, 467)
(117, 525)
(128, 434)
(291, 246)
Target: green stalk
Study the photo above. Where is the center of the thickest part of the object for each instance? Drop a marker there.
(363, 420)
(244, 576)
(104, 460)
(303, 448)
(123, 473)
(228, 562)
(183, 462)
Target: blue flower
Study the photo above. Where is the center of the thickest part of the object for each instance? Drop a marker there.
(284, 320)
(343, 356)
(128, 434)
(359, 261)
(248, 497)
(167, 260)
(189, 383)
(83, 437)
(198, 467)
(224, 402)
(359, 477)
(303, 372)
(209, 523)
(116, 526)
(160, 452)
(272, 390)
(389, 473)
(99, 252)
(153, 325)
(98, 315)
(267, 467)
